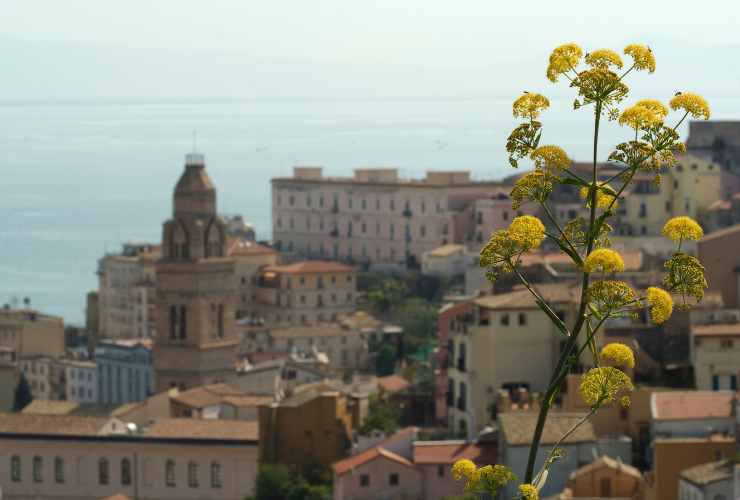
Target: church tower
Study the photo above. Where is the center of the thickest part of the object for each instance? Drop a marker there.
(196, 289)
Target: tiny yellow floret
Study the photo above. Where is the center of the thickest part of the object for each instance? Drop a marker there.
(463, 469)
(618, 354)
(655, 106)
(625, 401)
(528, 492)
(682, 228)
(530, 105)
(604, 58)
(606, 197)
(550, 157)
(693, 104)
(640, 117)
(661, 304)
(604, 260)
(600, 386)
(563, 59)
(642, 56)
(527, 231)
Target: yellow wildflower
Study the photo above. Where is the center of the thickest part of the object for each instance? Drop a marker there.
(609, 297)
(576, 231)
(693, 104)
(606, 197)
(605, 260)
(463, 469)
(640, 117)
(682, 228)
(550, 157)
(600, 386)
(535, 186)
(600, 84)
(661, 304)
(563, 59)
(527, 231)
(655, 106)
(528, 492)
(685, 276)
(603, 58)
(643, 57)
(625, 402)
(619, 354)
(530, 105)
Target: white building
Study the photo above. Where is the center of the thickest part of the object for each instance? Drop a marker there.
(81, 380)
(715, 355)
(712, 481)
(447, 261)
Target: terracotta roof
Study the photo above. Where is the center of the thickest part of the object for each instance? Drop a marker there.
(521, 298)
(311, 266)
(709, 473)
(359, 319)
(239, 247)
(343, 466)
(190, 428)
(445, 250)
(721, 330)
(719, 234)
(49, 407)
(63, 425)
(117, 497)
(606, 461)
(247, 401)
(685, 405)
(720, 205)
(206, 395)
(518, 428)
(393, 383)
(448, 452)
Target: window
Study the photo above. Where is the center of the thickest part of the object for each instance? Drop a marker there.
(393, 479)
(643, 210)
(440, 471)
(59, 470)
(125, 471)
(169, 473)
(216, 473)
(103, 471)
(364, 480)
(505, 319)
(522, 319)
(192, 474)
(15, 469)
(461, 403)
(726, 344)
(38, 464)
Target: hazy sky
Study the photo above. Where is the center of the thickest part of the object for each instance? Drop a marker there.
(443, 32)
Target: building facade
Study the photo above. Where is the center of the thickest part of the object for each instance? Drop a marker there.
(374, 217)
(81, 380)
(715, 356)
(306, 292)
(26, 332)
(124, 371)
(196, 288)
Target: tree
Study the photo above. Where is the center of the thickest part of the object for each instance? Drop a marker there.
(380, 417)
(22, 396)
(389, 295)
(274, 482)
(385, 362)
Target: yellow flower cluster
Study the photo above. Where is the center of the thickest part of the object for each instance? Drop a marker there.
(535, 186)
(604, 260)
(641, 116)
(551, 158)
(528, 492)
(618, 354)
(655, 106)
(685, 276)
(603, 58)
(682, 228)
(605, 195)
(563, 58)
(530, 105)
(609, 297)
(527, 231)
(693, 104)
(661, 304)
(600, 386)
(487, 479)
(625, 402)
(642, 56)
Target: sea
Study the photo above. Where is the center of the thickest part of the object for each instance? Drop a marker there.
(79, 178)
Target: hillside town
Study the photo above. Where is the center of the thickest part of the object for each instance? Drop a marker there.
(361, 351)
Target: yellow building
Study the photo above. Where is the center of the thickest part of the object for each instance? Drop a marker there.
(506, 343)
(27, 332)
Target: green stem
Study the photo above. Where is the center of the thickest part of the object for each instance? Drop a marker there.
(551, 217)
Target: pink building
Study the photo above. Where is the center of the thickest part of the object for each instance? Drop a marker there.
(447, 319)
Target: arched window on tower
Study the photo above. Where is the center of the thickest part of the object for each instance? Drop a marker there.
(178, 322)
(179, 249)
(213, 241)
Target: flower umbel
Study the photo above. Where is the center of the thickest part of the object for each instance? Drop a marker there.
(551, 158)
(618, 354)
(642, 57)
(528, 492)
(603, 58)
(527, 231)
(661, 304)
(463, 469)
(693, 104)
(488, 479)
(655, 106)
(640, 117)
(611, 298)
(600, 386)
(604, 260)
(682, 228)
(530, 105)
(535, 186)
(605, 196)
(563, 59)
(685, 277)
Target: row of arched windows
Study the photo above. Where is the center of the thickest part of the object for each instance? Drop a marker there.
(180, 242)
(16, 471)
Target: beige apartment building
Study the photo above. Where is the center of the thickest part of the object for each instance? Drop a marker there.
(506, 342)
(373, 217)
(715, 355)
(60, 457)
(306, 292)
(26, 332)
(126, 286)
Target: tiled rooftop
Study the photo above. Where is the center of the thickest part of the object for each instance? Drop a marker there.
(709, 473)
(522, 298)
(348, 464)
(448, 452)
(518, 428)
(687, 405)
(393, 383)
(717, 330)
(190, 428)
(311, 266)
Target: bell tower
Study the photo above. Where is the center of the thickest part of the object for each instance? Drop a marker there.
(196, 288)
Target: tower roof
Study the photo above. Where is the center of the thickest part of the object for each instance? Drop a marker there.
(194, 192)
